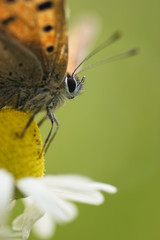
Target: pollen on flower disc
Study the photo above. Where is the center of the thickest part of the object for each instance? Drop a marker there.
(20, 155)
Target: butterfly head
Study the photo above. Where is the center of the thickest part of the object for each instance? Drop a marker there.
(73, 85)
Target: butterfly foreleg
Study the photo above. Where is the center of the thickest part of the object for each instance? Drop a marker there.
(53, 120)
(42, 121)
(30, 121)
(50, 115)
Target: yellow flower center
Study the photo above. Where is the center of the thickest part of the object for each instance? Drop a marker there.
(20, 155)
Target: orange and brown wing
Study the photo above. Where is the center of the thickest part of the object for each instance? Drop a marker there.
(40, 26)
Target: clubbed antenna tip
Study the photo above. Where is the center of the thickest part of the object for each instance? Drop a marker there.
(133, 51)
(118, 34)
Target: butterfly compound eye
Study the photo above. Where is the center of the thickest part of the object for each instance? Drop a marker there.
(71, 85)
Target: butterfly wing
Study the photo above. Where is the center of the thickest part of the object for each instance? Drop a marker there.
(40, 26)
(81, 38)
(15, 72)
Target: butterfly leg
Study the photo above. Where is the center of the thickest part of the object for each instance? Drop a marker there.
(54, 134)
(42, 121)
(50, 115)
(50, 138)
(30, 121)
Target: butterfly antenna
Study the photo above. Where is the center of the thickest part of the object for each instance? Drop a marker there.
(129, 53)
(105, 44)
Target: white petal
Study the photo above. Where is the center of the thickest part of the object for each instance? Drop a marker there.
(104, 187)
(25, 221)
(7, 234)
(77, 188)
(66, 179)
(11, 205)
(60, 210)
(84, 196)
(6, 192)
(44, 227)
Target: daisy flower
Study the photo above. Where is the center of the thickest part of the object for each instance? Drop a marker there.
(48, 199)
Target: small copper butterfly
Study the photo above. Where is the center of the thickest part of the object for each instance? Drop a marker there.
(34, 58)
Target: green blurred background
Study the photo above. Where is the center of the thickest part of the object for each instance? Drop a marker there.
(112, 131)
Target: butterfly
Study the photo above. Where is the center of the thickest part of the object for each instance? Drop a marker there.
(34, 57)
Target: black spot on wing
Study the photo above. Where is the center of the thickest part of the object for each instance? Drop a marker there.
(47, 28)
(50, 49)
(8, 20)
(45, 5)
